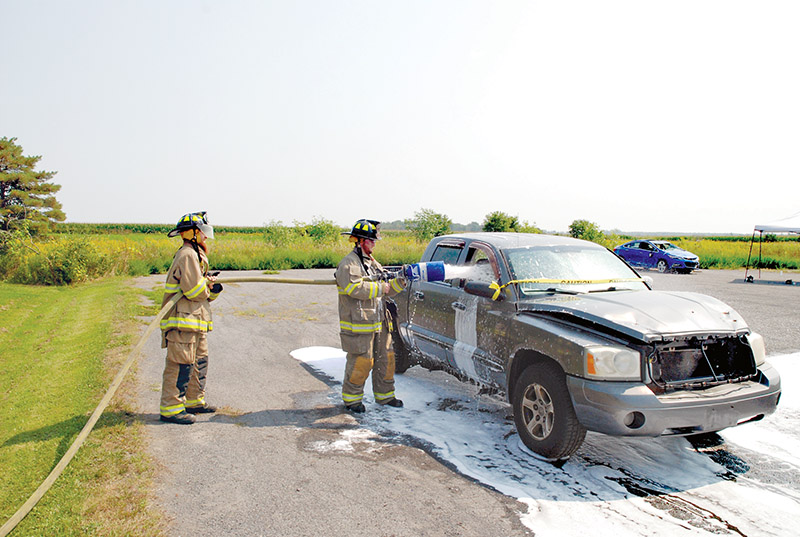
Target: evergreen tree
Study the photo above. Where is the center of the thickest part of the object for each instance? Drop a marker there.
(26, 195)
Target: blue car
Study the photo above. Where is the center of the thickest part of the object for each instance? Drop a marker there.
(661, 255)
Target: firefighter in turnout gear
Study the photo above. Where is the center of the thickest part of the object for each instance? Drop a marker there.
(184, 326)
(364, 322)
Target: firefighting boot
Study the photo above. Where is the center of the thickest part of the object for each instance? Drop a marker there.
(357, 408)
(204, 409)
(397, 403)
(181, 419)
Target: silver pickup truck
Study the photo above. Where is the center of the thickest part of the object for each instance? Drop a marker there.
(579, 341)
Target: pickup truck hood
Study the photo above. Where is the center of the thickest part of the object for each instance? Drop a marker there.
(645, 315)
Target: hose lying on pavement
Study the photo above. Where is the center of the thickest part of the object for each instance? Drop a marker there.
(26, 508)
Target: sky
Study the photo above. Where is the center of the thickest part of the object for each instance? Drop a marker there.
(747, 486)
(677, 116)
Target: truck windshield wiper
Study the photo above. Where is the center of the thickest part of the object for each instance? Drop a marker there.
(612, 288)
(555, 290)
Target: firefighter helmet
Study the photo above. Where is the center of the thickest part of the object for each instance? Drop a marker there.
(191, 221)
(365, 229)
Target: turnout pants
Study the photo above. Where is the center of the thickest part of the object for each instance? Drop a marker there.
(184, 381)
(379, 359)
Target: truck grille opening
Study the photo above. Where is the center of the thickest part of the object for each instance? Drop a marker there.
(699, 363)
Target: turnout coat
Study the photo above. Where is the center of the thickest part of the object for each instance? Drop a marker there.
(192, 312)
(361, 309)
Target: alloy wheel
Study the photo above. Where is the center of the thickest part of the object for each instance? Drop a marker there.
(538, 413)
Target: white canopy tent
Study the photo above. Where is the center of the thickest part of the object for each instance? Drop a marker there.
(790, 224)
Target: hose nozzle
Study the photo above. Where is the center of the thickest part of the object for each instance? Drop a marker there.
(426, 272)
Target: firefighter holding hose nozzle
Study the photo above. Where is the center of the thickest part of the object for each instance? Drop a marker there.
(364, 322)
(184, 326)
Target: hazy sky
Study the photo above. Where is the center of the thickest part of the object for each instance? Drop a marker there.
(679, 116)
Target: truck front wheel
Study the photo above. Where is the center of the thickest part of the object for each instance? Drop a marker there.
(543, 412)
(402, 358)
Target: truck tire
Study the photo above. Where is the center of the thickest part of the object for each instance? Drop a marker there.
(543, 412)
(402, 358)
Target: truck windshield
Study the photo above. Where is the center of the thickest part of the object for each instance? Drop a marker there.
(581, 269)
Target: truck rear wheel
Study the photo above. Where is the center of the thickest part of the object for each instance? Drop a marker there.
(543, 412)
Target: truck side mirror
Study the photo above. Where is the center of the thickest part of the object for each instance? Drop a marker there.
(483, 289)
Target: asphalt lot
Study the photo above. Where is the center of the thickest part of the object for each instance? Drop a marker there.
(770, 309)
(252, 468)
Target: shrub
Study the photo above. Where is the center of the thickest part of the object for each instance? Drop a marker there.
(323, 231)
(588, 231)
(276, 234)
(500, 221)
(427, 224)
(65, 260)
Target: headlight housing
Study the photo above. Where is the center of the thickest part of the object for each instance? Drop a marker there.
(759, 348)
(612, 363)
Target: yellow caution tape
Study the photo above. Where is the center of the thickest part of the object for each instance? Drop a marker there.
(499, 288)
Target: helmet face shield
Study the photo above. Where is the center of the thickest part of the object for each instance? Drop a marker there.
(207, 230)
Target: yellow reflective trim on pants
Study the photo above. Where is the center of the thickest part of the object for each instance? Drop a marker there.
(384, 396)
(352, 398)
(195, 402)
(172, 410)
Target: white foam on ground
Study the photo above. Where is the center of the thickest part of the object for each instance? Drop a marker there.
(612, 486)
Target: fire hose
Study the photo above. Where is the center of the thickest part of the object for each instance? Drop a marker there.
(26, 508)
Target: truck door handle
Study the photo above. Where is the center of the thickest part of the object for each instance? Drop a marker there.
(459, 306)
(419, 294)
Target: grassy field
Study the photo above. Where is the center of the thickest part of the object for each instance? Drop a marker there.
(59, 350)
(86, 252)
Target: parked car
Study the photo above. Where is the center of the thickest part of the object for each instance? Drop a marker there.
(661, 255)
(578, 341)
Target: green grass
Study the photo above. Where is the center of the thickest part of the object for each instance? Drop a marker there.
(59, 350)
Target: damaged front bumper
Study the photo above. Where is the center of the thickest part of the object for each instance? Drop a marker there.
(632, 409)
